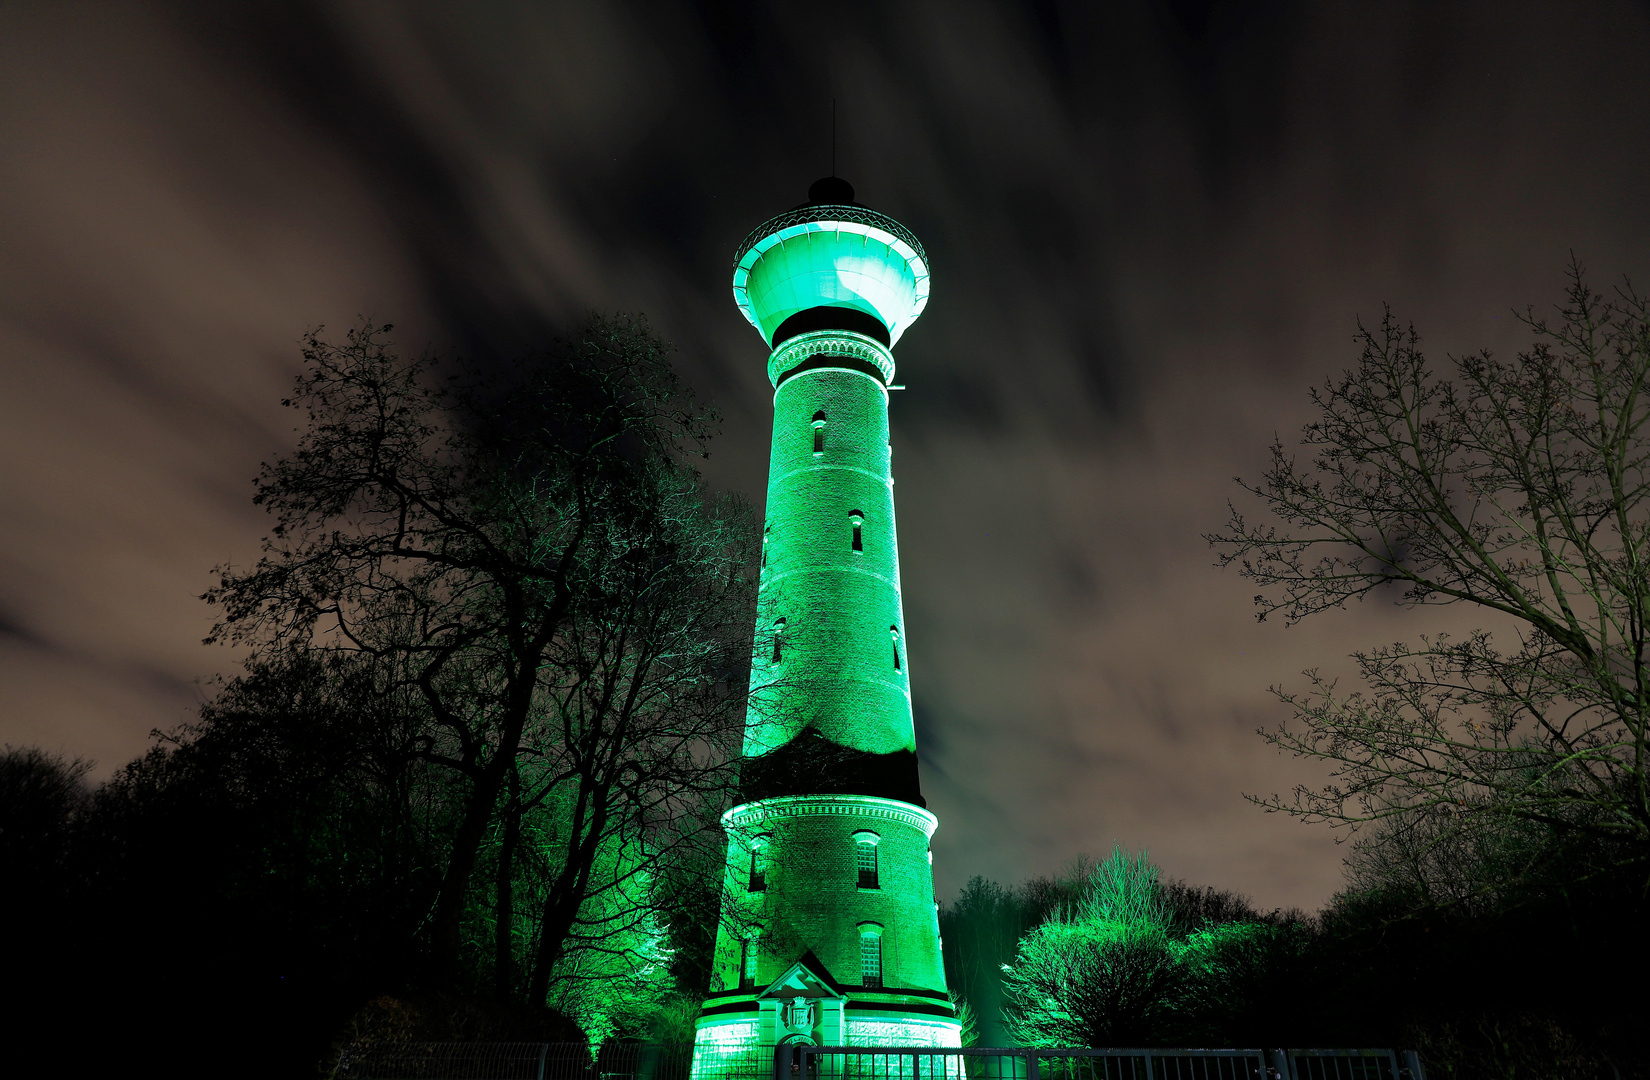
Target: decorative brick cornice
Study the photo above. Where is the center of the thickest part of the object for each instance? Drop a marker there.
(752, 815)
(827, 343)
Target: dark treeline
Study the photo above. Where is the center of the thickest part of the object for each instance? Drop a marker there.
(466, 783)
(232, 894)
(256, 890)
(238, 894)
(1536, 979)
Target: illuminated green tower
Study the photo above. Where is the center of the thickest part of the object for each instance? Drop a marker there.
(833, 937)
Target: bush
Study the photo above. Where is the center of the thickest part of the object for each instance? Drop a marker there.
(1133, 961)
(1078, 983)
(1103, 971)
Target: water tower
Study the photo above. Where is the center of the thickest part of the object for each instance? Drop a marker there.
(832, 936)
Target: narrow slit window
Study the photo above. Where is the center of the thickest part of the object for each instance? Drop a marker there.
(893, 632)
(747, 960)
(819, 432)
(766, 531)
(870, 957)
(857, 520)
(759, 865)
(778, 640)
(865, 859)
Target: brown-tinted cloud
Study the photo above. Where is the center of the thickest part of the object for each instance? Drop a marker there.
(1152, 225)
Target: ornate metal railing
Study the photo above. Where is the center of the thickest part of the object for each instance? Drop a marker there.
(861, 215)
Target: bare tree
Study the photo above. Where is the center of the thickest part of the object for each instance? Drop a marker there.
(644, 700)
(1521, 488)
(478, 538)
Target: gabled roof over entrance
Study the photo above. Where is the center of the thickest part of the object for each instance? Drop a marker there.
(807, 978)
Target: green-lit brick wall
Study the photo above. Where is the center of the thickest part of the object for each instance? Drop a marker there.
(844, 666)
(813, 901)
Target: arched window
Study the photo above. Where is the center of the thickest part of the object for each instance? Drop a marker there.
(893, 632)
(819, 432)
(856, 518)
(759, 865)
(748, 951)
(865, 857)
(870, 954)
(778, 640)
(766, 535)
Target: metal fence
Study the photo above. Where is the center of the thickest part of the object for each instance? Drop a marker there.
(518, 1061)
(633, 1061)
(997, 1063)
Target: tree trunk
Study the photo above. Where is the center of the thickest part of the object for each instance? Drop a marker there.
(596, 792)
(561, 904)
(504, 934)
(447, 924)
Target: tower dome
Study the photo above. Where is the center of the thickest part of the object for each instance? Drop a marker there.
(831, 264)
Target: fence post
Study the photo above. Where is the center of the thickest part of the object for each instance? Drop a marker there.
(1412, 1065)
(1031, 1065)
(782, 1055)
(1278, 1060)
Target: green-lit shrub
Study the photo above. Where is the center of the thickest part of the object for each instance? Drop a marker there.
(1103, 971)
(1085, 984)
(1134, 962)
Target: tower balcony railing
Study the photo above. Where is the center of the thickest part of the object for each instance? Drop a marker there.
(802, 215)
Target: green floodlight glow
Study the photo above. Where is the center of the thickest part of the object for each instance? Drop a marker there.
(835, 256)
(832, 936)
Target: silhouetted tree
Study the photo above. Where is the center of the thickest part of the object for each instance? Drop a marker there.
(1521, 488)
(980, 931)
(43, 798)
(545, 588)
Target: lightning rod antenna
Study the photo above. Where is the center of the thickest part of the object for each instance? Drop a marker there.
(833, 136)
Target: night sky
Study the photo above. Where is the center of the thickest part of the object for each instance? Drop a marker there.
(1152, 227)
